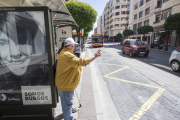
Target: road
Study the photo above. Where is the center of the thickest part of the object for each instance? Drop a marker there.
(141, 88)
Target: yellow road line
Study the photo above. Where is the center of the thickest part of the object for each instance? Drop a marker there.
(147, 105)
(131, 82)
(109, 59)
(110, 64)
(115, 71)
(4, 3)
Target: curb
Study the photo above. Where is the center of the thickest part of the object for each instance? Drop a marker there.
(169, 52)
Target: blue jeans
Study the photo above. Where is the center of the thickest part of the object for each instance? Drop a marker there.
(67, 104)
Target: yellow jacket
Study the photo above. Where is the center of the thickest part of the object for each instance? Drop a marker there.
(69, 70)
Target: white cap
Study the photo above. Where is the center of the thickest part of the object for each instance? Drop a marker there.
(69, 41)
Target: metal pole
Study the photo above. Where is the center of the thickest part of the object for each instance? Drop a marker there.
(166, 47)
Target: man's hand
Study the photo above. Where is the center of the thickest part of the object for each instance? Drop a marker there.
(98, 53)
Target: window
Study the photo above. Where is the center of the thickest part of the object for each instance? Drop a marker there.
(124, 12)
(147, 0)
(128, 13)
(127, 43)
(140, 14)
(146, 22)
(134, 28)
(135, 6)
(128, 6)
(141, 2)
(147, 11)
(116, 25)
(117, 13)
(165, 1)
(117, 1)
(135, 16)
(139, 24)
(117, 7)
(123, 19)
(117, 19)
(166, 15)
(123, 6)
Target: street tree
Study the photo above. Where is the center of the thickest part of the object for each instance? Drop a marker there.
(127, 32)
(83, 14)
(118, 36)
(106, 36)
(144, 30)
(172, 23)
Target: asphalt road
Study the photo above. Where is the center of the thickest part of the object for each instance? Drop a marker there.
(141, 88)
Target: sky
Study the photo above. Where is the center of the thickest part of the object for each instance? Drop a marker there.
(98, 5)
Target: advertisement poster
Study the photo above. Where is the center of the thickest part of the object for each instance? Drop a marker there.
(62, 34)
(23, 56)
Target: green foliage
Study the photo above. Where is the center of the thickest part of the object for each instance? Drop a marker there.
(83, 13)
(118, 35)
(145, 29)
(106, 36)
(86, 35)
(127, 32)
(173, 23)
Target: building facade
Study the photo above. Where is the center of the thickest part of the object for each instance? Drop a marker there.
(142, 13)
(99, 25)
(153, 13)
(164, 9)
(95, 30)
(119, 17)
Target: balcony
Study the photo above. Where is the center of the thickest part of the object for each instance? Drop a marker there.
(156, 22)
(157, 9)
(159, 23)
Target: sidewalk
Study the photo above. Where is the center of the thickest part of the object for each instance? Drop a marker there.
(170, 49)
(94, 96)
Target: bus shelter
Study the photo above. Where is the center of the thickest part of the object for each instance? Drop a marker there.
(27, 57)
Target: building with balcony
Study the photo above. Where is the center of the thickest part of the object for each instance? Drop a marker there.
(106, 18)
(95, 30)
(142, 13)
(119, 17)
(164, 9)
(99, 25)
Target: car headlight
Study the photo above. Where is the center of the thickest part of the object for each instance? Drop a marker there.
(135, 48)
(147, 48)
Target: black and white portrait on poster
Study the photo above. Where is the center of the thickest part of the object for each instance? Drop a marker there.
(23, 52)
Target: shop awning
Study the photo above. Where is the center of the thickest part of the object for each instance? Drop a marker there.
(61, 15)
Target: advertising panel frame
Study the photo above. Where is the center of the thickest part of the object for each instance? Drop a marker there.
(50, 54)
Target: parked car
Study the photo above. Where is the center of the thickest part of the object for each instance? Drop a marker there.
(88, 40)
(157, 43)
(134, 47)
(174, 60)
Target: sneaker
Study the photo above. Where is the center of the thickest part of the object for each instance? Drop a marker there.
(75, 110)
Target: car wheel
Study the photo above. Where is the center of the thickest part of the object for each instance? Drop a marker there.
(175, 65)
(122, 51)
(145, 55)
(131, 54)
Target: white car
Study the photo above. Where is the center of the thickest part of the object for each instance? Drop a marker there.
(88, 40)
(174, 60)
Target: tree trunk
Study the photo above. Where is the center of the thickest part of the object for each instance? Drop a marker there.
(144, 37)
(178, 42)
(78, 34)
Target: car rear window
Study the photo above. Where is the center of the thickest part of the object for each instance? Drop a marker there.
(138, 42)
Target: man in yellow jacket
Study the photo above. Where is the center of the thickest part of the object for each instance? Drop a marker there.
(68, 75)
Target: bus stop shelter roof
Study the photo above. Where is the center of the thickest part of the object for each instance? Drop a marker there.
(61, 15)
